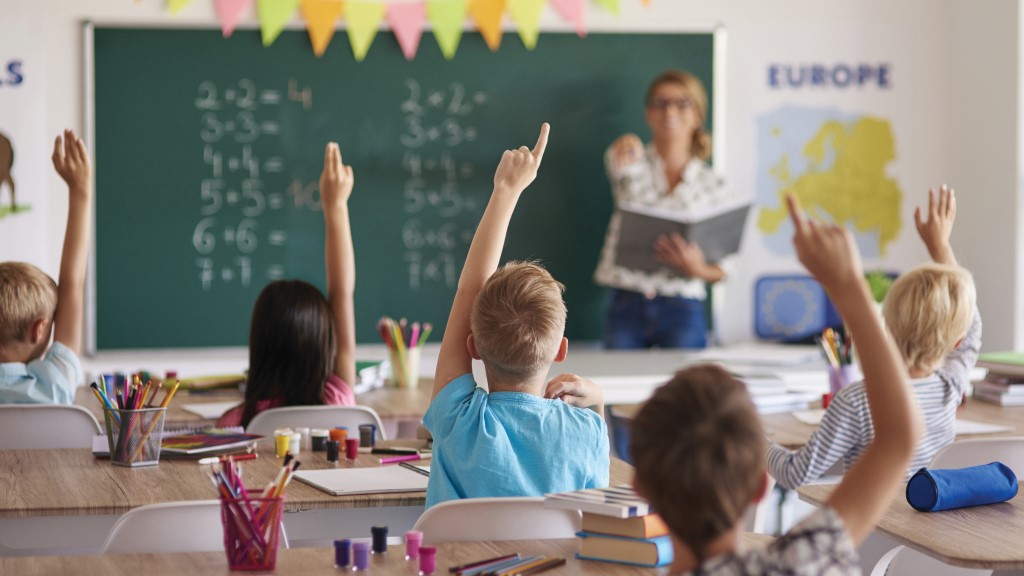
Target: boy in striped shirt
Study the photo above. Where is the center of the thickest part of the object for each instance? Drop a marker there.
(932, 317)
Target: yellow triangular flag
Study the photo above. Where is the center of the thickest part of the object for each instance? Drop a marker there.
(446, 16)
(609, 5)
(176, 5)
(363, 19)
(273, 15)
(526, 15)
(321, 17)
(487, 15)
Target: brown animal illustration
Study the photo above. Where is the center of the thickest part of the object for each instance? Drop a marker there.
(6, 162)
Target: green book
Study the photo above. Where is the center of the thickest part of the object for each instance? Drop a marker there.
(1006, 363)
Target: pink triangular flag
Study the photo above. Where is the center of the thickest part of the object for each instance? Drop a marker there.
(573, 11)
(406, 21)
(228, 12)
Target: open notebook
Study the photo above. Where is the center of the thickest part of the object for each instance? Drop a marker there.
(377, 480)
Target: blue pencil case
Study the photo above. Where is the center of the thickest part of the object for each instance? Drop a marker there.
(934, 490)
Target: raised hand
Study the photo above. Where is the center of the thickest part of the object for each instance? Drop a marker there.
(336, 180)
(937, 228)
(826, 250)
(626, 149)
(575, 391)
(71, 161)
(518, 168)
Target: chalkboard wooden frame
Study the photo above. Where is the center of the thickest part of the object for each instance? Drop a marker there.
(716, 85)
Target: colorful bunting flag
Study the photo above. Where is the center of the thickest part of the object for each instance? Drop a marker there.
(573, 11)
(363, 18)
(228, 12)
(273, 15)
(175, 5)
(609, 5)
(487, 15)
(447, 16)
(321, 18)
(526, 14)
(406, 21)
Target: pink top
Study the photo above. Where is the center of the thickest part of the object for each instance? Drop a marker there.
(336, 393)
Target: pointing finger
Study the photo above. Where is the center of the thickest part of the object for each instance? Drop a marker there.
(542, 141)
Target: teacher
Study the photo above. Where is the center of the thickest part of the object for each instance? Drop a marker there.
(663, 308)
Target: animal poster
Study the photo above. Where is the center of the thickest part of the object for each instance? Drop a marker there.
(25, 148)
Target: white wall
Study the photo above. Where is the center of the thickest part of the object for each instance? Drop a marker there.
(966, 63)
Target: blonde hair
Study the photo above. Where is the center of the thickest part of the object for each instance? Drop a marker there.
(518, 320)
(700, 146)
(26, 295)
(927, 310)
(698, 450)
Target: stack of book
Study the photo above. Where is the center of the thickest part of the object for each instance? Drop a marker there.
(618, 526)
(1004, 384)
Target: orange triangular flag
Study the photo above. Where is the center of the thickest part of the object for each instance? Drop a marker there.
(321, 17)
(487, 15)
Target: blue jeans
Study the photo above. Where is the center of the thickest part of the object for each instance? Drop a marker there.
(635, 321)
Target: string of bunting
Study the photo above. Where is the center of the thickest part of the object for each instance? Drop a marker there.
(406, 18)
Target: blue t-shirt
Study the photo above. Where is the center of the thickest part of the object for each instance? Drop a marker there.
(511, 444)
(50, 380)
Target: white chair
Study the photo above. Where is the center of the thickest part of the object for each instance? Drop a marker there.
(1009, 450)
(478, 519)
(267, 421)
(46, 426)
(193, 526)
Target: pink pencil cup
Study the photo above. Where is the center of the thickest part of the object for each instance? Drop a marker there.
(252, 527)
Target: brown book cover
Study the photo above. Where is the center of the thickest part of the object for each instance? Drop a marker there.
(649, 526)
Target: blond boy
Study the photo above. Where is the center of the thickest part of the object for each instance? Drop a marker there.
(526, 437)
(931, 315)
(31, 304)
(697, 444)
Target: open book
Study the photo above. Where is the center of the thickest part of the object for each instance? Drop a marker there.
(717, 231)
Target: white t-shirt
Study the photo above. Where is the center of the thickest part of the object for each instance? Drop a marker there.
(50, 380)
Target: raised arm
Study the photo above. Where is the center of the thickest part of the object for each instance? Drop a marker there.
(515, 172)
(576, 391)
(937, 228)
(335, 189)
(830, 254)
(71, 160)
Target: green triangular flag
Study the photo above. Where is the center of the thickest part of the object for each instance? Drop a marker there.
(363, 19)
(609, 5)
(447, 16)
(526, 15)
(273, 15)
(176, 5)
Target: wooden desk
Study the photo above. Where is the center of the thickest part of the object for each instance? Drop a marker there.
(42, 489)
(988, 537)
(305, 561)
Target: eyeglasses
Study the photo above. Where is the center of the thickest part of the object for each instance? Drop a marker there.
(680, 104)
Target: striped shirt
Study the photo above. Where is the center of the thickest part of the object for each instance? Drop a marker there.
(846, 429)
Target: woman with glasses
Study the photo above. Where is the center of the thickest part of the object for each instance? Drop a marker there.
(663, 308)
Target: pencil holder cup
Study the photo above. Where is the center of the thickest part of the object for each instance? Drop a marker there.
(405, 368)
(252, 527)
(841, 376)
(133, 436)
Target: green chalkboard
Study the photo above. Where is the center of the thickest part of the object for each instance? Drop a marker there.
(208, 151)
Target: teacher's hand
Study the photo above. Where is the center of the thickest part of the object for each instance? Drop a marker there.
(626, 149)
(686, 257)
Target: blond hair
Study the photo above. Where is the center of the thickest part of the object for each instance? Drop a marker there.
(927, 310)
(518, 320)
(698, 450)
(26, 295)
(700, 146)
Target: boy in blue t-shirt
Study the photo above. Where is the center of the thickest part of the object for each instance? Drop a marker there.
(32, 371)
(527, 437)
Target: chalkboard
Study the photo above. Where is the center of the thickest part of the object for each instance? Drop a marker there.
(208, 152)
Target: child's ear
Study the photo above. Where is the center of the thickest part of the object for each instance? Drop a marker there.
(471, 347)
(762, 489)
(563, 349)
(39, 330)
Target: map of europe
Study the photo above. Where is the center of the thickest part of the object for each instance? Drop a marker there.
(836, 165)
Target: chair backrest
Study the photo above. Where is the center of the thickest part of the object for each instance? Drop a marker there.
(193, 526)
(477, 519)
(315, 417)
(902, 561)
(46, 426)
(963, 453)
